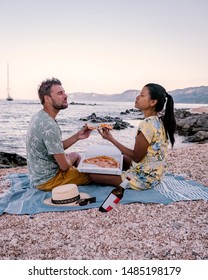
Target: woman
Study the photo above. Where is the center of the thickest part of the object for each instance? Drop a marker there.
(146, 162)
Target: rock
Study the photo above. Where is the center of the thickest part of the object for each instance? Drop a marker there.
(92, 118)
(76, 103)
(193, 126)
(182, 113)
(121, 125)
(126, 112)
(118, 125)
(11, 160)
(184, 126)
(198, 137)
(132, 113)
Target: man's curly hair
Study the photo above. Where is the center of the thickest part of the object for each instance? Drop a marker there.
(45, 88)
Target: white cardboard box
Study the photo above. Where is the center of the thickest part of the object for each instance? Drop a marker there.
(101, 150)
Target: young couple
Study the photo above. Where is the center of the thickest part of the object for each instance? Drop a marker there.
(49, 165)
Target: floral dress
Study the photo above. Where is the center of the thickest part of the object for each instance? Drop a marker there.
(149, 171)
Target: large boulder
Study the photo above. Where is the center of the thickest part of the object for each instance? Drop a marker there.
(11, 160)
(198, 136)
(193, 126)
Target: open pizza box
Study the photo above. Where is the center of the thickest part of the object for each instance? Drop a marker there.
(101, 150)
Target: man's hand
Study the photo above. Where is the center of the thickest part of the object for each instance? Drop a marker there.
(83, 133)
(80, 135)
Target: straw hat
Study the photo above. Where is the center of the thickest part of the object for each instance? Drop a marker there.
(66, 195)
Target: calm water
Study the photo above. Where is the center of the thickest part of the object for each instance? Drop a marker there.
(15, 117)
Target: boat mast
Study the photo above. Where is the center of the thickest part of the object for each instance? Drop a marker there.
(9, 98)
(8, 89)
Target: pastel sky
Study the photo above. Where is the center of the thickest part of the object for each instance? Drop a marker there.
(102, 46)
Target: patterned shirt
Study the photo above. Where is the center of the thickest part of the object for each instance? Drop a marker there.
(42, 142)
(149, 171)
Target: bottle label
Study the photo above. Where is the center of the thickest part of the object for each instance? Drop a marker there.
(110, 202)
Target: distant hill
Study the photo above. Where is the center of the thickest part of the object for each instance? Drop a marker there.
(186, 95)
(191, 95)
(126, 96)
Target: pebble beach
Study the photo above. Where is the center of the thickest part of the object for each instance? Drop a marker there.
(178, 231)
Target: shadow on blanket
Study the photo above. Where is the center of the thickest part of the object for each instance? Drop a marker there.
(23, 198)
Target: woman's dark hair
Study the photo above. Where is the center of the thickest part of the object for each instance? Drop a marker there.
(157, 92)
(45, 88)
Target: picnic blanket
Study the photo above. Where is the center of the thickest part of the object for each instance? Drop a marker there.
(23, 198)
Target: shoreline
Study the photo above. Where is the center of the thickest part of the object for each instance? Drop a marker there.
(69, 121)
(177, 231)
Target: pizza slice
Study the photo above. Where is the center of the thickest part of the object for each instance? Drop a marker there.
(90, 127)
(105, 125)
(103, 161)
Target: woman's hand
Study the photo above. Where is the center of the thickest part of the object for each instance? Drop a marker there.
(105, 133)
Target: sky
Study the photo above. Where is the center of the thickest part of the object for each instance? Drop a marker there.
(102, 46)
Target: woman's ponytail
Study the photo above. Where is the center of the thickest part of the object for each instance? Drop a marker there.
(169, 119)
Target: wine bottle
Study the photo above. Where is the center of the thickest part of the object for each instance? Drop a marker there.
(114, 197)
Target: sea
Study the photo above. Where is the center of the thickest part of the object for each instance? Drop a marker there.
(15, 117)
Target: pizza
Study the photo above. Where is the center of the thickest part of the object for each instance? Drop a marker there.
(101, 126)
(103, 161)
(105, 125)
(90, 127)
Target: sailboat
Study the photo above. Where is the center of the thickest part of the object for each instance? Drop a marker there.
(9, 98)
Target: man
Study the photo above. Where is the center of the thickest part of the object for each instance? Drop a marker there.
(48, 164)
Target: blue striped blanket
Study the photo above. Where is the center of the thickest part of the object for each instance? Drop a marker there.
(23, 198)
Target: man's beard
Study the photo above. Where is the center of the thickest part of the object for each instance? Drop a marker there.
(59, 107)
